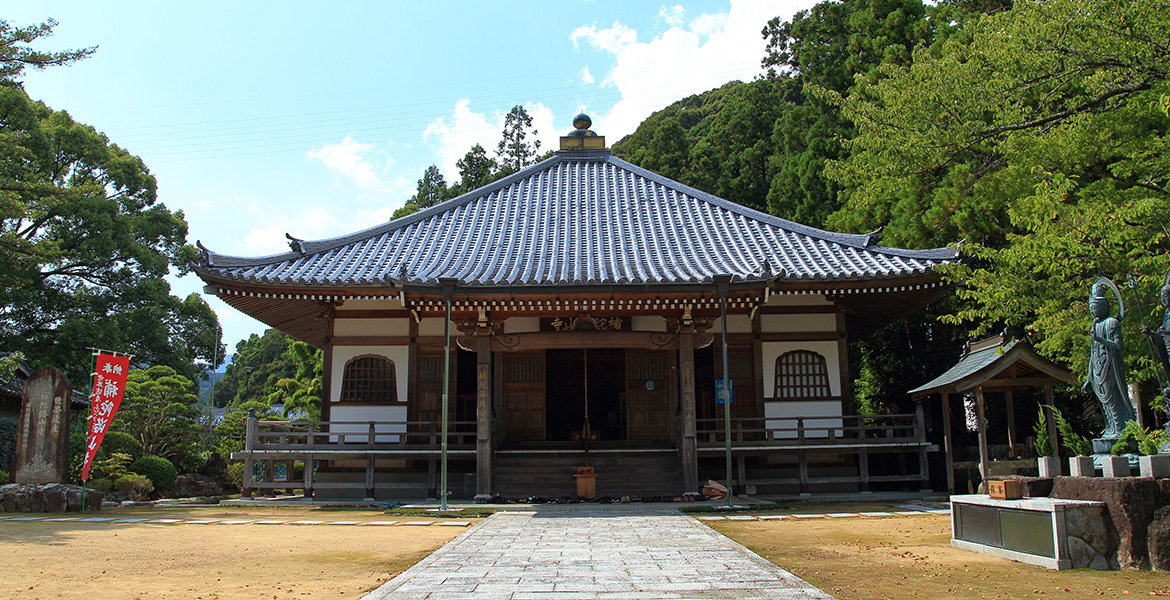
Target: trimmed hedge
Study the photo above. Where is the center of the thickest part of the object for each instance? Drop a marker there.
(158, 470)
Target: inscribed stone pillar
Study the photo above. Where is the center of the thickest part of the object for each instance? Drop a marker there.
(42, 442)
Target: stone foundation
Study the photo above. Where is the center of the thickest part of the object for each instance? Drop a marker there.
(46, 498)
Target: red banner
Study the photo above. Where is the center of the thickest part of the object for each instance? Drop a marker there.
(109, 382)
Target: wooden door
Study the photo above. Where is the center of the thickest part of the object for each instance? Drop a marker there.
(647, 395)
(429, 404)
(523, 397)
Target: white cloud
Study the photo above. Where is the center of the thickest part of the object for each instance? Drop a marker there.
(350, 159)
(586, 76)
(466, 128)
(680, 62)
(705, 24)
(674, 15)
(612, 39)
(310, 223)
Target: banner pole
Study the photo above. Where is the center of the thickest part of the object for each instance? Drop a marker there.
(92, 374)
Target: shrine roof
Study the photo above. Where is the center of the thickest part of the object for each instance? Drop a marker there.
(580, 219)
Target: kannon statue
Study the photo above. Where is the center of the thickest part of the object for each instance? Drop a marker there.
(1106, 374)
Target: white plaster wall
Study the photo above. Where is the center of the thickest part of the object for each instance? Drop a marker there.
(782, 415)
(341, 421)
(828, 349)
(434, 327)
(399, 355)
(735, 324)
(522, 325)
(797, 323)
(648, 324)
(347, 327)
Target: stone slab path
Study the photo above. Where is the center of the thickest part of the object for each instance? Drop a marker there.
(569, 553)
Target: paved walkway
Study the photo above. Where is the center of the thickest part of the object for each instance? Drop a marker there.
(563, 553)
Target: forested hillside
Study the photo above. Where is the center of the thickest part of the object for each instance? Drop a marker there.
(1030, 135)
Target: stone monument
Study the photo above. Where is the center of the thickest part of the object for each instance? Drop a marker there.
(42, 442)
(1106, 373)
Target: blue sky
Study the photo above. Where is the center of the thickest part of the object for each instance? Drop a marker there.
(317, 119)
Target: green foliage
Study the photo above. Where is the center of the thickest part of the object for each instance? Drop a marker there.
(3, 476)
(230, 432)
(133, 487)
(432, 189)
(16, 55)
(8, 428)
(234, 475)
(1078, 444)
(302, 395)
(85, 248)
(120, 442)
(1148, 441)
(9, 363)
(101, 485)
(408, 209)
(1043, 443)
(258, 364)
(1036, 136)
(113, 467)
(513, 151)
(160, 410)
(160, 471)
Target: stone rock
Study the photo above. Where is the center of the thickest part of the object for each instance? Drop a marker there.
(51, 498)
(1080, 552)
(1130, 504)
(1159, 540)
(1098, 531)
(1100, 563)
(192, 485)
(1075, 522)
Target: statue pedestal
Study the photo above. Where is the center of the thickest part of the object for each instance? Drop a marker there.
(1103, 445)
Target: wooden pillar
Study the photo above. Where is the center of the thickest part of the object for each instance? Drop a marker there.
(863, 470)
(802, 466)
(984, 456)
(690, 453)
(370, 476)
(948, 442)
(1010, 405)
(327, 367)
(923, 465)
(309, 476)
(483, 418)
(289, 469)
(843, 360)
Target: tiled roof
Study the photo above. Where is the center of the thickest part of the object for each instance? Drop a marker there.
(580, 219)
(990, 360)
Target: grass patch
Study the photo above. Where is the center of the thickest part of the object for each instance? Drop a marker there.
(423, 512)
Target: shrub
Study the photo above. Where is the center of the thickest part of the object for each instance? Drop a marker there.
(101, 485)
(157, 469)
(3, 477)
(122, 443)
(233, 475)
(112, 467)
(132, 487)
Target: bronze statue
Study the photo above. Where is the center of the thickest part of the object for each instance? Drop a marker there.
(1160, 338)
(1106, 374)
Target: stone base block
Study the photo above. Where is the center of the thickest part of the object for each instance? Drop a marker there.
(1157, 466)
(1049, 466)
(1081, 466)
(1114, 466)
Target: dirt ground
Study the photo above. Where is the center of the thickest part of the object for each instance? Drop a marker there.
(870, 558)
(143, 561)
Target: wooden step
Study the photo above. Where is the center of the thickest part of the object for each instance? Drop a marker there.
(520, 475)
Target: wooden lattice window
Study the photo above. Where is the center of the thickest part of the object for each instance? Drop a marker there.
(369, 379)
(802, 374)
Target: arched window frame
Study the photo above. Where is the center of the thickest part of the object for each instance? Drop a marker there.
(353, 378)
(802, 374)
